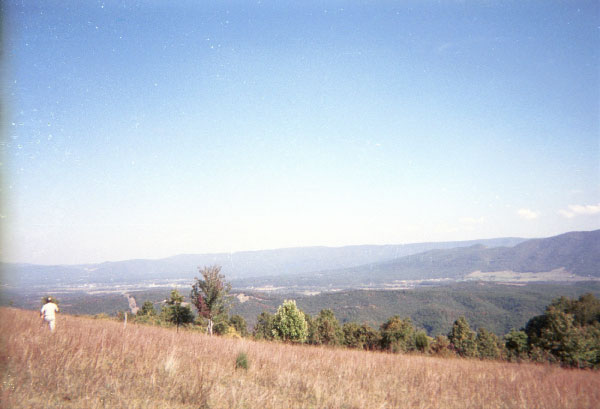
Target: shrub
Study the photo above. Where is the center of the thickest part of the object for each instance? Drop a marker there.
(326, 329)
(263, 329)
(422, 341)
(398, 335)
(241, 360)
(289, 323)
(239, 323)
(441, 346)
(487, 344)
(516, 345)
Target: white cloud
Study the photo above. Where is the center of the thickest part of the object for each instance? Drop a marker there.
(579, 210)
(527, 214)
(566, 213)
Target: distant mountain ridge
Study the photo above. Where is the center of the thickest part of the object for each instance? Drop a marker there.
(578, 253)
(351, 266)
(238, 265)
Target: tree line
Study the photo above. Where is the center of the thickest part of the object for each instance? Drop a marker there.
(568, 332)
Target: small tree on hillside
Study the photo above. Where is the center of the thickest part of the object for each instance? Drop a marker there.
(487, 344)
(289, 323)
(175, 312)
(567, 332)
(422, 341)
(463, 338)
(326, 329)
(516, 344)
(263, 329)
(360, 336)
(398, 335)
(441, 346)
(209, 295)
(353, 337)
(147, 309)
(239, 323)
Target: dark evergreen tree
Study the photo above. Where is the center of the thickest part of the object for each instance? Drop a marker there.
(516, 344)
(239, 323)
(462, 338)
(175, 312)
(325, 329)
(263, 329)
(487, 344)
(147, 309)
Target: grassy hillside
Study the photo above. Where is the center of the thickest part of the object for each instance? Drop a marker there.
(99, 364)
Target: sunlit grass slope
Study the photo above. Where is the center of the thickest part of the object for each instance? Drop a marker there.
(99, 364)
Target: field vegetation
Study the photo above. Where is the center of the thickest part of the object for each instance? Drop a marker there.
(91, 363)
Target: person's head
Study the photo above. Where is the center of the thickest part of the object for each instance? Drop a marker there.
(49, 299)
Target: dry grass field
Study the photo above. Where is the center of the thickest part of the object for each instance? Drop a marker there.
(98, 364)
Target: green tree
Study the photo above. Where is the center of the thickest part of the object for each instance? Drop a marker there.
(591, 335)
(422, 341)
(326, 329)
(487, 344)
(463, 338)
(398, 335)
(360, 336)
(289, 323)
(209, 295)
(561, 338)
(371, 336)
(352, 335)
(239, 323)
(175, 312)
(441, 346)
(221, 326)
(147, 314)
(567, 332)
(147, 309)
(585, 310)
(516, 344)
(263, 329)
(311, 328)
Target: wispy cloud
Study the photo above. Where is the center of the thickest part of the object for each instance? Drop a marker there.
(579, 210)
(527, 214)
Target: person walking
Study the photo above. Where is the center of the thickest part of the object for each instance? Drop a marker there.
(48, 313)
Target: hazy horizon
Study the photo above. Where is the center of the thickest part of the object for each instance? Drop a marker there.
(142, 131)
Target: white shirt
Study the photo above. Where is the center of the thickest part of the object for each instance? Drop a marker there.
(48, 311)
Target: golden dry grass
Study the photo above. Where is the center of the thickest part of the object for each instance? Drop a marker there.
(97, 364)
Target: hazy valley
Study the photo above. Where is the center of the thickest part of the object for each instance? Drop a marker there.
(509, 280)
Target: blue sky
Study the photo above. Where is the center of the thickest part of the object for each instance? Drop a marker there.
(147, 129)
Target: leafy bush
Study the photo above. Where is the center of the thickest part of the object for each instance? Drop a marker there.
(422, 341)
(263, 329)
(239, 323)
(398, 335)
(241, 361)
(326, 329)
(289, 323)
